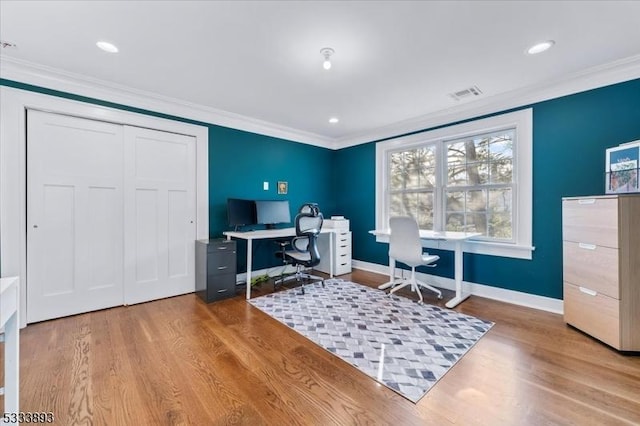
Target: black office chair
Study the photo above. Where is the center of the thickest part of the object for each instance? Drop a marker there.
(304, 253)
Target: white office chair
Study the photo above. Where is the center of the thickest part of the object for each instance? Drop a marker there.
(405, 247)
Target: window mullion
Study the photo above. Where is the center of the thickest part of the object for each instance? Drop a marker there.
(439, 211)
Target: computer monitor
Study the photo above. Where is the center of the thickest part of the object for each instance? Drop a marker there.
(241, 212)
(272, 212)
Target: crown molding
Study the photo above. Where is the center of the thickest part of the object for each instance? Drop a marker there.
(77, 84)
(56, 79)
(592, 78)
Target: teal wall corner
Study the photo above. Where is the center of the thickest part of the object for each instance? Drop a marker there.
(570, 134)
(239, 162)
(570, 137)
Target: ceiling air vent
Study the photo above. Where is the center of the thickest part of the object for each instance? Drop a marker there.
(466, 93)
(7, 45)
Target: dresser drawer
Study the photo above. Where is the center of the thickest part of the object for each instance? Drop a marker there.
(222, 263)
(221, 287)
(343, 242)
(343, 265)
(591, 266)
(591, 221)
(594, 313)
(343, 237)
(343, 249)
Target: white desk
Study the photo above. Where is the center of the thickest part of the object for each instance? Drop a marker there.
(457, 238)
(9, 302)
(249, 236)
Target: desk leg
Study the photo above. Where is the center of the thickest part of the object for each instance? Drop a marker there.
(249, 260)
(332, 241)
(11, 364)
(460, 297)
(392, 275)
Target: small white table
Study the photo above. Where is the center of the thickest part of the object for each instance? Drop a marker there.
(264, 234)
(457, 238)
(9, 302)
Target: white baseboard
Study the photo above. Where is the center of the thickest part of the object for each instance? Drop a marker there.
(496, 293)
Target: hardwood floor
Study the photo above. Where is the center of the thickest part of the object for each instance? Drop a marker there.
(179, 361)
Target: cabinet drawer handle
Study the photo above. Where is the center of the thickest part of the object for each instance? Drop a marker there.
(588, 291)
(222, 267)
(587, 201)
(587, 246)
(224, 290)
(222, 248)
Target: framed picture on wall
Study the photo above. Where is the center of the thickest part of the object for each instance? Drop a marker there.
(283, 187)
(622, 168)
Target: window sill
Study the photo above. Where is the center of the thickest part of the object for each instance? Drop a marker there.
(477, 247)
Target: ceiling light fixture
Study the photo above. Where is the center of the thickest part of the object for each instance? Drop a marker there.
(327, 52)
(107, 47)
(540, 47)
(333, 120)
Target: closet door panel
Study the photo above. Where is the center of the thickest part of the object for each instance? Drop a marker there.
(160, 200)
(74, 215)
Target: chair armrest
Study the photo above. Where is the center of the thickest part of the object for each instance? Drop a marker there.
(282, 243)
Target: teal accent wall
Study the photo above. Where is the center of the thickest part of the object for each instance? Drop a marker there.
(239, 162)
(570, 136)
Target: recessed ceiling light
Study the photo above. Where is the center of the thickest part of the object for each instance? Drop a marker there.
(107, 47)
(333, 120)
(540, 47)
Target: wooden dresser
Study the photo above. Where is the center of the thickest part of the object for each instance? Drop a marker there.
(601, 267)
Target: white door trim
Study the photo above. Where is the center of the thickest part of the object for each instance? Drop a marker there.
(13, 212)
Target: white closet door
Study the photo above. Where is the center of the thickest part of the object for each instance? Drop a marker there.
(74, 215)
(160, 214)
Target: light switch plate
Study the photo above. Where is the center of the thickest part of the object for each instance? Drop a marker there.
(265, 186)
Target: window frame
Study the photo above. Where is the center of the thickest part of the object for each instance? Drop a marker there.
(522, 121)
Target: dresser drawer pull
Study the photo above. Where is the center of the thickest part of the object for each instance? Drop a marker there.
(587, 246)
(224, 290)
(588, 291)
(220, 268)
(222, 248)
(587, 201)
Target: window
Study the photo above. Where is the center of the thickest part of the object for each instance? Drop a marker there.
(473, 177)
(479, 185)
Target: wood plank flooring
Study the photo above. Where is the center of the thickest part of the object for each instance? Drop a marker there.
(179, 361)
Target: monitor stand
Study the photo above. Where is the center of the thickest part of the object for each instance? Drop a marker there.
(270, 226)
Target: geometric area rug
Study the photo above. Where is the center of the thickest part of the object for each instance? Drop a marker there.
(405, 346)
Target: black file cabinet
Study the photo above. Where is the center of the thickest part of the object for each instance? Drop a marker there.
(215, 269)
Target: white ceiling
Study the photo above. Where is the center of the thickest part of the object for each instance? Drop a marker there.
(395, 62)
